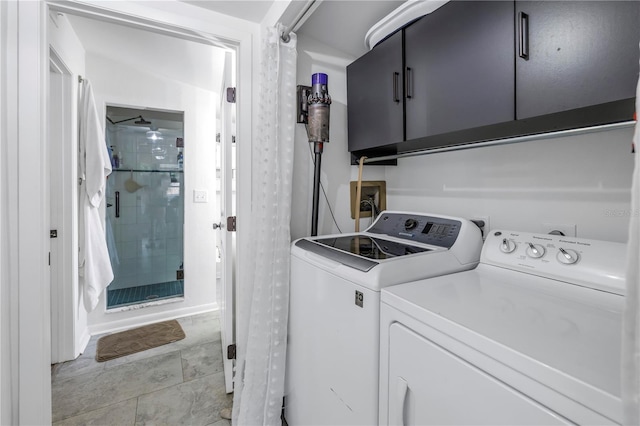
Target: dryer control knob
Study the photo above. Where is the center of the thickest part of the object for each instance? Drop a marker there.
(568, 257)
(410, 224)
(535, 251)
(507, 246)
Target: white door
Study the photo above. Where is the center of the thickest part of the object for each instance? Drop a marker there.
(226, 237)
(63, 205)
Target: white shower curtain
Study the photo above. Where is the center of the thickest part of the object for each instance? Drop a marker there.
(262, 330)
(631, 320)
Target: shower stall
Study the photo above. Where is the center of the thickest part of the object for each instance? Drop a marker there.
(145, 205)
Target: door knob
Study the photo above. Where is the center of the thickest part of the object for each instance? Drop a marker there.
(218, 225)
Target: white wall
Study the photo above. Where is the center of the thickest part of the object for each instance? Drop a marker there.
(583, 180)
(122, 84)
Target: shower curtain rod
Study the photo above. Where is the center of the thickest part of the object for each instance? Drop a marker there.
(287, 31)
(550, 135)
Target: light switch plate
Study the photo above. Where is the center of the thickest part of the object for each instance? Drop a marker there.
(199, 196)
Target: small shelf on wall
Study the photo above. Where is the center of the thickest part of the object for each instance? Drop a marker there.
(149, 171)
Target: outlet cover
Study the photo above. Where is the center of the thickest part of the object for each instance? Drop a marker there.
(376, 189)
(199, 196)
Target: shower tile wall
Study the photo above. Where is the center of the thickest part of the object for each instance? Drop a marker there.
(149, 232)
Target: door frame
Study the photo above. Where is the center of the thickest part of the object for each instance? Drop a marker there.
(226, 237)
(29, 342)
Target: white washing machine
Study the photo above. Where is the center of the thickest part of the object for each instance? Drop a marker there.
(334, 318)
(530, 337)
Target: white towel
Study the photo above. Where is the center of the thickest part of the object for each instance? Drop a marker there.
(94, 167)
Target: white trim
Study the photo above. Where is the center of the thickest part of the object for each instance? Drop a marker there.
(400, 17)
(32, 285)
(141, 320)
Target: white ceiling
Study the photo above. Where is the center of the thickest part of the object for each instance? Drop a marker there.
(342, 24)
(251, 10)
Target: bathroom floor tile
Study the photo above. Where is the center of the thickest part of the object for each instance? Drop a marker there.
(201, 360)
(197, 402)
(119, 414)
(96, 390)
(178, 383)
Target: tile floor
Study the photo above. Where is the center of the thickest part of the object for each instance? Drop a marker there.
(181, 383)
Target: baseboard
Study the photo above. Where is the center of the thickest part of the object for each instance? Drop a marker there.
(82, 342)
(144, 319)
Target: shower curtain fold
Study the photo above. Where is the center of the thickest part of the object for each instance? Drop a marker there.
(630, 373)
(95, 272)
(264, 302)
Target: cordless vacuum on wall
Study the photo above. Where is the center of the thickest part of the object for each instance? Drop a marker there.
(313, 110)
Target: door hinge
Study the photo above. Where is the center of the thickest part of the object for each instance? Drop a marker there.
(231, 95)
(53, 233)
(231, 224)
(231, 351)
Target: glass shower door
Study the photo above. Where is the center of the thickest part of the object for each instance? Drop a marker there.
(145, 213)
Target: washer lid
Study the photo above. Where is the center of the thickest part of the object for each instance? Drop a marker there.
(371, 247)
(565, 336)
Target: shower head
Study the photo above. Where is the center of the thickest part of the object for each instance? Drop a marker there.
(142, 121)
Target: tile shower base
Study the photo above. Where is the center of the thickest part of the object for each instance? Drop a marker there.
(145, 293)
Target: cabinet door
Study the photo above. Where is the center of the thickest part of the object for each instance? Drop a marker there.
(576, 54)
(460, 68)
(374, 91)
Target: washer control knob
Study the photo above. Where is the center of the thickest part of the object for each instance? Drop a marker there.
(535, 251)
(410, 224)
(568, 257)
(507, 246)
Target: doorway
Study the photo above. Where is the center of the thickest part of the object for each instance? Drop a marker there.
(27, 109)
(169, 83)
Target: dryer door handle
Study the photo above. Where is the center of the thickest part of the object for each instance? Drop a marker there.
(402, 389)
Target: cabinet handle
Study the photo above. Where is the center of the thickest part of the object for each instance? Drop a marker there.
(117, 203)
(409, 75)
(396, 98)
(523, 36)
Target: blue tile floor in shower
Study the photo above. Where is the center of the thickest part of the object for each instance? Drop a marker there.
(144, 293)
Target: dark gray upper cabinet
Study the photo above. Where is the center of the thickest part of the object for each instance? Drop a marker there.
(374, 90)
(573, 54)
(475, 71)
(459, 68)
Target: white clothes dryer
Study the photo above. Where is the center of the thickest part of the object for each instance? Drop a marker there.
(531, 336)
(334, 317)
